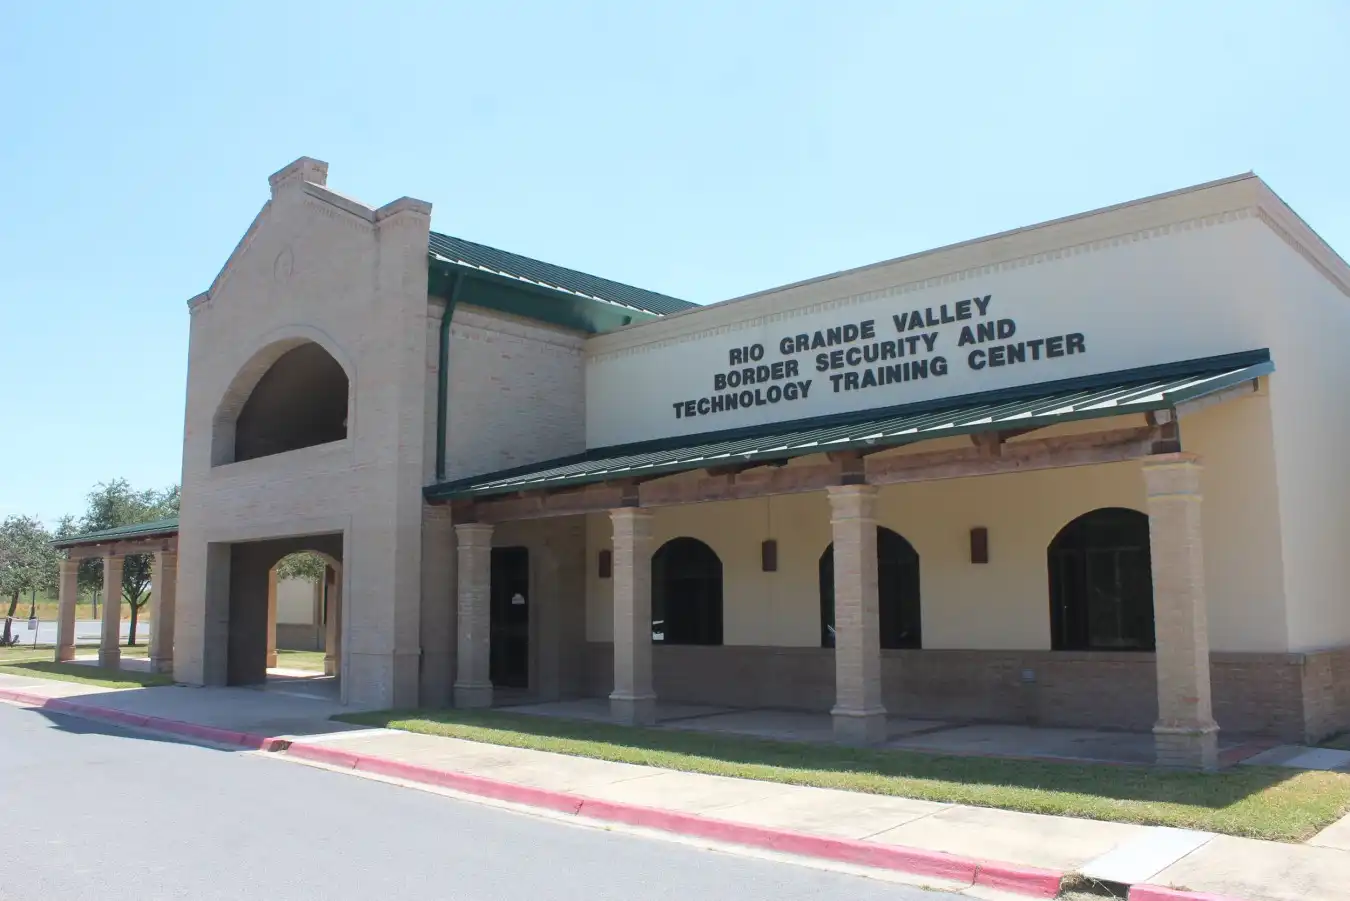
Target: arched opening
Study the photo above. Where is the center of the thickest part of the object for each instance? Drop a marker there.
(1101, 583)
(898, 608)
(298, 398)
(686, 593)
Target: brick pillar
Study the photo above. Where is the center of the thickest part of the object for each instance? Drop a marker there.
(1186, 734)
(436, 624)
(68, 594)
(110, 646)
(271, 617)
(163, 600)
(633, 701)
(859, 717)
(332, 618)
(473, 682)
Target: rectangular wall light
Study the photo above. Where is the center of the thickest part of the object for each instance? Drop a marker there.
(979, 545)
(768, 556)
(606, 563)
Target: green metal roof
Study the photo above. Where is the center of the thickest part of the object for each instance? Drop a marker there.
(139, 530)
(1048, 403)
(480, 257)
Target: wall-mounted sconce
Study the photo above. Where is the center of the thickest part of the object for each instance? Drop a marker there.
(979, 545)
(768, 556)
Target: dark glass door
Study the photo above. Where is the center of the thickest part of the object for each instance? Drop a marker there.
(510, 633)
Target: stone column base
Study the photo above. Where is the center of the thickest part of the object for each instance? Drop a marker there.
(110, 659)
(161, 665)
(473, 695)
(1187, 747)
(329, 666)
(859, 727)
(271, 659)
(65, 654)
(629, 710)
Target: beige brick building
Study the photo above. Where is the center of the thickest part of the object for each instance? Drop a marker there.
(1083, 473)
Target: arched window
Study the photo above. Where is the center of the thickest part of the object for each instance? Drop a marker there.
(897, 593)
(686, 593)
(300, 401)
(1101, 583)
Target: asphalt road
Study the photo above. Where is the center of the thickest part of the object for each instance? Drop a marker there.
(86, 630)
(90, 811)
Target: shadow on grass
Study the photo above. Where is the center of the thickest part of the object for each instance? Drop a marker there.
(84, 674)
(1264, 802)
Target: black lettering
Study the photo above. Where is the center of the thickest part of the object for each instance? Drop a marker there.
(759, 397)
(853, 356)
(984, 331)
(869, 330)
(963, 309)
(1035, 345)
(762, 374)
(785, 347)
(928, 319)
(791, 369)
(720, 382)
(836, 359)
(747, 398)
(938, 366)
(777, 370)
(836, 378)
(689, 409)
(734, 378)
(871, 352)
(822, 362)
(996, 356)
(869, 379)
(850, 381)
(1017, 353)
(757, 352)
(930, 339)
(946, 317)
(732, 401)
(888, 350)
(899, 320)
(850, 332)
(918, 369)
(818, 340)
(976, 359)
(790, 391)
(913, 343)
(806, 388)
(719, 403)
(737, 357)
(704, 406)
(1077, 343)
(775, 394)
(967, 337)
(982, 305)
(1006, 328)
(1054, 347)
(747, 376)
(679, 407)
(895, 373)
(835, 335)
(803, 343)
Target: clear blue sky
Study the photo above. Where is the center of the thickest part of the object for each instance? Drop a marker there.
(701, 149)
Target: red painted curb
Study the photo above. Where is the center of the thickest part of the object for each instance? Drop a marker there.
(1159, 893)
(1029, 881)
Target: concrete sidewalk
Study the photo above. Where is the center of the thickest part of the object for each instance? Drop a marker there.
(950, 845)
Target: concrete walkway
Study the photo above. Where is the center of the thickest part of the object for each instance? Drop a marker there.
(1023, 849)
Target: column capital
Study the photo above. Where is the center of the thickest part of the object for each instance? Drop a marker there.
(634, 522)
(1172, 474)
(852, 501)
(473, 533)
(70, 564)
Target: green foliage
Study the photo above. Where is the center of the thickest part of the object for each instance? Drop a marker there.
(27, 561)
(303, 565)
(114, 504)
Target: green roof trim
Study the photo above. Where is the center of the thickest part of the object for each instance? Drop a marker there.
(500, 265)
(1047, 403)
(150, 529)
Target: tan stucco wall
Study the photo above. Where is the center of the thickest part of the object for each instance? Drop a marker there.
(1002, 605)
(296, 601)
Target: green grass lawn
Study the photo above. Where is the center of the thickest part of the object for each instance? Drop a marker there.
(305, 660)
(1257, 802)
(38, 664)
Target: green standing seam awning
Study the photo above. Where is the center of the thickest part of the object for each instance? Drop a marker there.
(152, 529)
(1036, 406)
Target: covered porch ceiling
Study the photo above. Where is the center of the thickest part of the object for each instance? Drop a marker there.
(753, 462)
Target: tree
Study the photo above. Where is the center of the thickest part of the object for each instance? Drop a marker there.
(114, 504)
(302, 565)
(27, 561)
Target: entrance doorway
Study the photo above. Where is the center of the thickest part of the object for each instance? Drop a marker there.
(509, 660)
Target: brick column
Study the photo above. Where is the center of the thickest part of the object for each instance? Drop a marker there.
(110, 647)
(1186, 734)
(271, 617)
(859, 717)
(332, 635)
(633, 701)
(163, 600)
(473, 681)
(68, 594)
